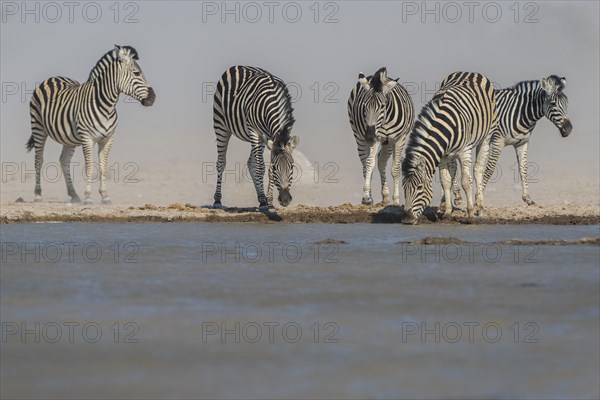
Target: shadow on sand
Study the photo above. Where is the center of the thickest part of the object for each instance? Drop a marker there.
(394, 215)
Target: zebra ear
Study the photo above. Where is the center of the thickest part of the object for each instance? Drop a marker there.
(547, 85)
(388, 86)
(363, 81)
(421, 167)
(270, 144)
(292, 143)
(563, 81)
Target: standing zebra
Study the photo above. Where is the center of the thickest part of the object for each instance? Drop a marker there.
(519, 108)
(381, 115)
(456, 120)
(75, 114)
(256, 107)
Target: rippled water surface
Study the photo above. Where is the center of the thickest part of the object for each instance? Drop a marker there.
(243, 310)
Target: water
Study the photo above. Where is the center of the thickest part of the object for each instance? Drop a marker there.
(244, 310)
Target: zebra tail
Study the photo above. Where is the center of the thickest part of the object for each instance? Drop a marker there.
(30, 144)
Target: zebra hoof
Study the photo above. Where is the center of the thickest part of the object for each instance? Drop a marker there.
(75, 199)
(367, 201)
(88, 202)
(106, 201)
(217, 205)
(37, 199)
(530, 202)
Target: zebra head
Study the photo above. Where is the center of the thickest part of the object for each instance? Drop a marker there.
(376, 88)
(282, 163)
(417, 185)
(131, 79)
(556, 102)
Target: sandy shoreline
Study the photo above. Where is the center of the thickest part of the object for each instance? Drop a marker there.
(342, 214)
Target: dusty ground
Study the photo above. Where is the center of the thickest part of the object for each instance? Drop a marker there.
(344, 213)
(175, 190)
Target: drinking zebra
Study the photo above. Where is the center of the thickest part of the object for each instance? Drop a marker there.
(519, 108)
(256, 107)
(381, 115)
(457, 119)
(75, 114)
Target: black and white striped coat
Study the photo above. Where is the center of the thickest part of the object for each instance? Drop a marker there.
(381, 115)
(75, 114)
(456, 120)
(255, 106)
(519, 108)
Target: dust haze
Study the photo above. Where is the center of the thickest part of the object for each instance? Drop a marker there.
(318, 49)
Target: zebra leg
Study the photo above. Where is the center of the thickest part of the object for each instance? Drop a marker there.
(223, 137)
(271, 187)
(480, 165)
(384, 155)
(446, 181)
(467, 179)
(496, 145)
(256, 165)
(522, 158)
(39, 161)
(452, 167)
(368, 167)
(88, 148)
(103, 149)
(65, 163)
(397, 169)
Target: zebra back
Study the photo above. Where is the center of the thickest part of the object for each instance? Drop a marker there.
(458, 117)
(253, 104)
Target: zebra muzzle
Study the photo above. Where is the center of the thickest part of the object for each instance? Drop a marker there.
(285, 198)
(409, 218)
(149, 100)
(567, 127)
(370, 134)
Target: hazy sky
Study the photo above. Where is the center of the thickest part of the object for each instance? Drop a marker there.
(320, 47)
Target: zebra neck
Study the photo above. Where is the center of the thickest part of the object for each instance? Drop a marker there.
(106, 91)
(432, 160)
(535, 99)
(528, 102)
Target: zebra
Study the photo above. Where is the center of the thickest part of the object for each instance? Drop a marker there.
(457, 119)
(381, 115)
(519, 108)
(256, 107)
(75, 114)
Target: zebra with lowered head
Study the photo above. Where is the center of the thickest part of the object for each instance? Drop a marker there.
(255, 106)
(457, 119)
(75, 114)
(519, 108)
(381, 115)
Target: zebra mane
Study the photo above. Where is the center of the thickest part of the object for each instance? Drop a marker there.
(524, 85)
(419, 130)
(283, 136)
(109, 58)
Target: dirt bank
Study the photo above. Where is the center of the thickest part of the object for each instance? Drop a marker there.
(340, 214)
